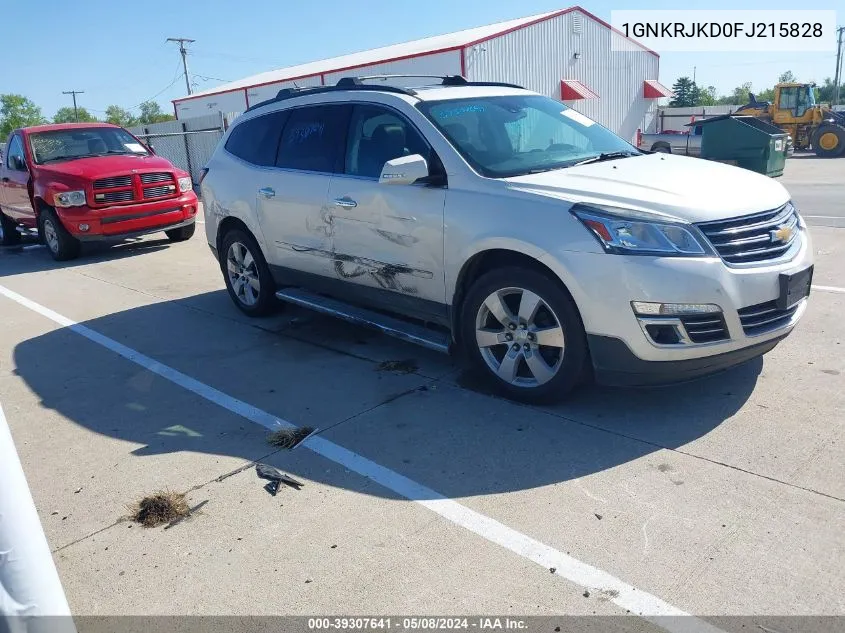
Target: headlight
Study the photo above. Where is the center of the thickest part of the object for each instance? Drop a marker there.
(69, 199)
(629, 232)
(185, 184)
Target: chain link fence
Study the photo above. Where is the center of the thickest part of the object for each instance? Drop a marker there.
(187, 144)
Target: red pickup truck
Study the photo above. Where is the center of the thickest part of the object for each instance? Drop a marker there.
(78, 182)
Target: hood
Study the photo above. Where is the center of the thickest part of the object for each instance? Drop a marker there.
(690, 189)
(105, 166)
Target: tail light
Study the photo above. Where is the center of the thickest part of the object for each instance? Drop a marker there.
(639, 138)
(203, 174)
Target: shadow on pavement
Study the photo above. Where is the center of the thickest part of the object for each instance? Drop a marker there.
(38, 259)
(452, 439)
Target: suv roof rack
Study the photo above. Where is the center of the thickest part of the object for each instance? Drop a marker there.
(356, 83)
(290, 93)
(445, 80)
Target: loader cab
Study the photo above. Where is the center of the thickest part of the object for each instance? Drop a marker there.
(793, 101)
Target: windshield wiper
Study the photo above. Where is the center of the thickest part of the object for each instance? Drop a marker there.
(604, 156)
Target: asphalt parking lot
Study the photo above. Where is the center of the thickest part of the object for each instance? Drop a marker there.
(129, 371)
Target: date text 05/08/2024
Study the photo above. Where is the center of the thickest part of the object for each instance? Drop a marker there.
(724, 29)
(365, 624)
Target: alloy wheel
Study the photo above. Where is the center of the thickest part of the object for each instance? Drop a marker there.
(520, 337)
(51, 236)
(243, 274)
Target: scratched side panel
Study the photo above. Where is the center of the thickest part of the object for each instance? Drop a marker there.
(296, 220)
(392, 239)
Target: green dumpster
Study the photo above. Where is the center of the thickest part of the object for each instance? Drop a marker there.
(744, 141)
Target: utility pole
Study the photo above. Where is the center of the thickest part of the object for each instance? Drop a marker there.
(74, 93)
(184, 51)
(837, 77)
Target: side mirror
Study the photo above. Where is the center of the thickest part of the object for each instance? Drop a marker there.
(18, 164)
(405, 170)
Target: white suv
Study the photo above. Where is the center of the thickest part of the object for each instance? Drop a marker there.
(490, 219)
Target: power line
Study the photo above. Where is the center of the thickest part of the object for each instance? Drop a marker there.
(837, 77)
(74, 93)
(184, 52)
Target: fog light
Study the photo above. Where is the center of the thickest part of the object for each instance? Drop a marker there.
(648, 308)
(663, 334)
(191, 210)
(84, 227)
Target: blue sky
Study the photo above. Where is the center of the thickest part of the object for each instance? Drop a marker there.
(116, 51)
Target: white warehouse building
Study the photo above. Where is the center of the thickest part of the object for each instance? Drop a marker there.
(568, 54)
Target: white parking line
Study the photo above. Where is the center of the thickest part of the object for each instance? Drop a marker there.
(825, 217)
(627, 596)
(829, 289)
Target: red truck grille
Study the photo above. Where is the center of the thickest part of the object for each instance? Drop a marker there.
(113, 183)
(133, 188)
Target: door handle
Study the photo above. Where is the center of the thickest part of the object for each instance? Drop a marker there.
(347, 203)
(267, 192)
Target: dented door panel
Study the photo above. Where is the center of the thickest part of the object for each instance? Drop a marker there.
(391, 239)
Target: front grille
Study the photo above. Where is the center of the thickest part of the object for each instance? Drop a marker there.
(149, 179)
(753, 238)
(705, 328)
(765, 317)
(115, 196)
(158, 192)
(114, 181)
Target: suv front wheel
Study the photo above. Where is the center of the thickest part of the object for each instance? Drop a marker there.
(523, 332)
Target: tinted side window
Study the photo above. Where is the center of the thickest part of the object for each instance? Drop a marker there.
(15, 149)
(257, 140)
(377, 135)
(314, 138)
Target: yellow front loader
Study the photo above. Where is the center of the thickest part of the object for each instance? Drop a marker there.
(795, 111)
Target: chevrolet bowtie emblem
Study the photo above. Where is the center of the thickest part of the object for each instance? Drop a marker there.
(781, 234)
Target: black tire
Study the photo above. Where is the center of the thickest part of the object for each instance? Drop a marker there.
(11, 237)
(182, 234)
(661, 149)
(570, 361)
(64, 246)
(824, 131)
(265, 300)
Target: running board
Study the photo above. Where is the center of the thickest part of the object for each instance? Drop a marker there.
(411, 332)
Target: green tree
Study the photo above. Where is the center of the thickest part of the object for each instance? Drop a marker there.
(67, 115)
(738, 95)
(686, 93)
(17, 111)
(787, 78)
(824, 93)
(119, 116)
(151, 112)
(706, 96)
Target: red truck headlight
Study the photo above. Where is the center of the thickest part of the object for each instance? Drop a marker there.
(70, 199)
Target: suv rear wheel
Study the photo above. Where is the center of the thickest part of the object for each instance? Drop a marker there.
(246, 273)
(523, 332)
(61, 244)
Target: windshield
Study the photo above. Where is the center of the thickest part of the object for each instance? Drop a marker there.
(70, 144)
(521, 134)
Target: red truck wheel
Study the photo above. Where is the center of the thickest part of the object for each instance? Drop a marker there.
(61, 244)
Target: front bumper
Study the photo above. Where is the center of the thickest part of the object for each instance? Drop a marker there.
(615, 364)
(603, 287)
(131, 219)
